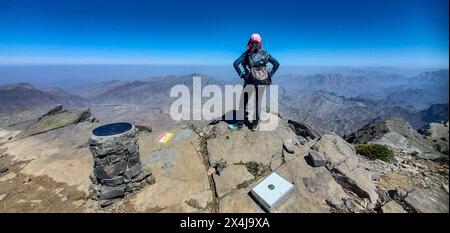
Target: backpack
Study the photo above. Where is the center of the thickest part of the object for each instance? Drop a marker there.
(257, 63)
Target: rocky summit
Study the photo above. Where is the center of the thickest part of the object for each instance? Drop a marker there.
(398, 134)
(213, 169)
(437, 134)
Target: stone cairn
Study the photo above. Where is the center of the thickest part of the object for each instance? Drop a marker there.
(117, 167)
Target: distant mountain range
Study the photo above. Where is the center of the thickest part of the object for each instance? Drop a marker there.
(337, 102)
(330, 113)
(22, 96)
(344, 102)
(417, 92)
(92, 90)
(153, 91)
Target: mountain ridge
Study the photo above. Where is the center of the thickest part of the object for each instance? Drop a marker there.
(22, 96)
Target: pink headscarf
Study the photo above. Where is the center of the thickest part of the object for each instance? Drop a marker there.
(255, 38)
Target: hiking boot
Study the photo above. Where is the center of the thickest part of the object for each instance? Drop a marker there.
(235, 127)
(254, 127)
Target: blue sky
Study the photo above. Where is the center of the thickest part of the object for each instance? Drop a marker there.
(322, 32)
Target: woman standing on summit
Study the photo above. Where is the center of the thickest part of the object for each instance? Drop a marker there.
(252, 67)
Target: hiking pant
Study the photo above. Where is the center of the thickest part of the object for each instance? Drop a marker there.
(258, 91)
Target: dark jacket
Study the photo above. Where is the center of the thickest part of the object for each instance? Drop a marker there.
(241, 63)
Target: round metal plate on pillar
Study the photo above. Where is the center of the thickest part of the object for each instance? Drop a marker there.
(117, 166)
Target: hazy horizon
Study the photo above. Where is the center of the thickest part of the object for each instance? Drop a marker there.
(67, 76)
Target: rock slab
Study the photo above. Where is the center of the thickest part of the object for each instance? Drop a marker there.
(317, 159)
(428, 201)
(392, 207)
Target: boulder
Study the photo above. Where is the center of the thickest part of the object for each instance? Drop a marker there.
(335, 149)
(317, 159)
(343, 161)
(55, 119)
(301, 140)
(428, 201)
(351, 206)
(358, 180)
(288, 145)
(304, 130)
(392, 207)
